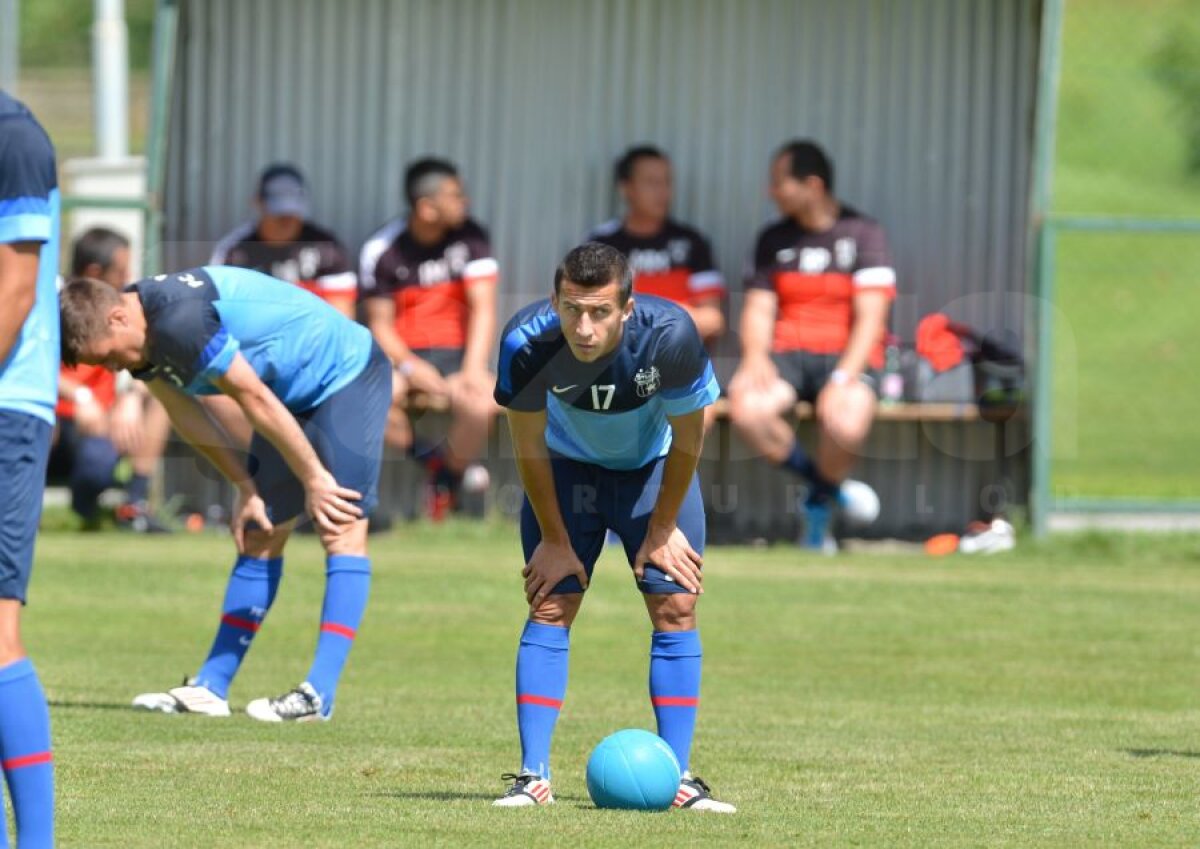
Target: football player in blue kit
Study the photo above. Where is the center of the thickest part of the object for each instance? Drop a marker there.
(29, 206)
(316, 389)
(605, 399)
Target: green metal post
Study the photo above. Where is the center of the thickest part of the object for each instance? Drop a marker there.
(166, 27)
(1041, 257)
(1043, 412)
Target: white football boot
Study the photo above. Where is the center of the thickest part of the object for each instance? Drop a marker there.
(527, 791)
(695, 795)
(300, 704)
(186, 698)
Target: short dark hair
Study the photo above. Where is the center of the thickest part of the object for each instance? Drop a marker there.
(278, 169)
(593, 265)
(83, 306)
(623, 169)
(808, 160)
(97, 246)
(423, 177)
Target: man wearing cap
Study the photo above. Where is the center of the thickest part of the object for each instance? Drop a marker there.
(428, 285)
(283, 243)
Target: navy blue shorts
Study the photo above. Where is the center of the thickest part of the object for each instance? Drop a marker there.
(346, 429)
(594, 500)
(24, 448)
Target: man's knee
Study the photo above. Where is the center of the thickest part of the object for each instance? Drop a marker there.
(745, 411)
(474, 407)
(557, 610)
(349, 540)
(11, 648)
(266, 544)
(672, 611)
(849, 415)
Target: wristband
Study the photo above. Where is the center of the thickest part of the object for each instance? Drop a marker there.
(839, 376)
(404, 367)
(83, 395)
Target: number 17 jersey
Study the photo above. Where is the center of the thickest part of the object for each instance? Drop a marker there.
(612, 412)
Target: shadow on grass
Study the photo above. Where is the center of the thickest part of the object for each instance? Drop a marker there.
(455, 796)
(1160, 753)
(62, 705)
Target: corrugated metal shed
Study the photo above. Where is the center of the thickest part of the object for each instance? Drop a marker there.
(925, 105)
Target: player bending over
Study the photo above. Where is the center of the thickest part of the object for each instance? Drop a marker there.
(316, 389)
(605, 401)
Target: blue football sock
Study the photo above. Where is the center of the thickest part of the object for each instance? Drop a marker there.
(251, 590)
(25, 754)
(138, 489)
(820, 488)
(347, 585)
(675, 659)
(541, 685)
(798, 462)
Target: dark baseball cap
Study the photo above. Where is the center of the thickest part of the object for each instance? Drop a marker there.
(282, 191)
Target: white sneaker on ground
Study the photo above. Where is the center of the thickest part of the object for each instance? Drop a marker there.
(695, 795)
(184, 699)
(988, 538)
(859, 502)
(527, 791)
(300, 704)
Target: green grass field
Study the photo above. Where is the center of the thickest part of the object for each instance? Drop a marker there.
(1044, 698)
(1124, 337)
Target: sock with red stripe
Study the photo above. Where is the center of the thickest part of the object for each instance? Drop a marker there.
(675, 659)
(251, 590)
(541, 685)
(25, 754)
(347, 584)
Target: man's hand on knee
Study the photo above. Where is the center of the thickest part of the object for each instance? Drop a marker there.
(845, 410)
(550, 564)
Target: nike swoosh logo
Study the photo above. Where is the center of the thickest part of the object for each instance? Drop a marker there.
(559, 390)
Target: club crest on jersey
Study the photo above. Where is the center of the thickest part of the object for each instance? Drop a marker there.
(845, 251)
(814, 260)
(647, 381)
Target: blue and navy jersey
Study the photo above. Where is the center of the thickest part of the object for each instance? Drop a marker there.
(303, 349)
(29, 213)
(612, 412)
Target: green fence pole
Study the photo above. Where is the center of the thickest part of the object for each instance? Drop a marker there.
(1041, 254)
(166, 26)
(1043, 411)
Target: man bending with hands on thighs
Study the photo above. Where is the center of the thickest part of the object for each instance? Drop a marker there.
(605, 401)
(316, 389)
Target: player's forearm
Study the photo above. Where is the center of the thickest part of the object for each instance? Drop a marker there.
(481, 329)
(870, 322)
(269, 417)
(709, 320)
(18, 290)
(757, 328)
(679, 469)
(537, 475)
(391, 343)
(191, 421)
(381, 321)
